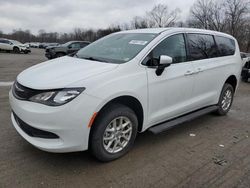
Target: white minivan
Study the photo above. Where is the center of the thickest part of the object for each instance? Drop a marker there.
(123, 84)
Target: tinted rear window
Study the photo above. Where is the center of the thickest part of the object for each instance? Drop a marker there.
(201, 46)
(226, 46)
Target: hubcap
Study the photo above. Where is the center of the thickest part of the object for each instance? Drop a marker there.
(227, 100)
(117, 134)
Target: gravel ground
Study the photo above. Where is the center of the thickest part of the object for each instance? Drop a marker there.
(217, 154)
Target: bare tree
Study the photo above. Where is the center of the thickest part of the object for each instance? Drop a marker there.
(160, 16)
(139, 22)
(200, 13)
(41, 35)
(208, 14)
(217, 16)
(78, 34)
(230, 16)
(235, 13)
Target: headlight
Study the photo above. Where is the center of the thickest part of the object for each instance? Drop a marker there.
(56, 97)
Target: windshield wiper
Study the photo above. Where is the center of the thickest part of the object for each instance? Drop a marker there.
(93, 59)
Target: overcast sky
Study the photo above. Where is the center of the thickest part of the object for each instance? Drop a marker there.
(65, 15)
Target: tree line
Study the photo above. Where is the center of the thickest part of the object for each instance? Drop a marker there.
(229, 16)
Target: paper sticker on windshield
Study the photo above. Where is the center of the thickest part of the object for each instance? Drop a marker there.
(138, 42)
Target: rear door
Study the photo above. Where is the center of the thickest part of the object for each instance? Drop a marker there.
(208, 67)
(169, 94)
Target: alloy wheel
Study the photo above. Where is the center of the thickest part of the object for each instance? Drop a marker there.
(227, 100)
(117, 134)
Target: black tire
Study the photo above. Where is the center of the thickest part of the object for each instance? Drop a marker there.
(59, 54)
(16, 50)
(223, 111)
(103, 120)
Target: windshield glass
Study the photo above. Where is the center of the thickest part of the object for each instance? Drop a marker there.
(116, 48)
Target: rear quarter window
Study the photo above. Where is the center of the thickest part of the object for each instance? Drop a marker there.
(225, 45)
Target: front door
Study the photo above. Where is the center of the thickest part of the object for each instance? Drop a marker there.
(170, 94)
(74, 47)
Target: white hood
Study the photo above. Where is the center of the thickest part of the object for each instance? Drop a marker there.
(61, 72)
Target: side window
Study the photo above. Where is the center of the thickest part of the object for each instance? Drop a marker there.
(226, 46)
(201, 46)
(173, 46)
(83, 44)
(75, 45)
(4, 41)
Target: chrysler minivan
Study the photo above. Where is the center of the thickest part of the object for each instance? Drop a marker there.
(123, 84)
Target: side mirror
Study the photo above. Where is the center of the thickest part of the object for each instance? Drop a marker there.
(69, 47)
(165, 61)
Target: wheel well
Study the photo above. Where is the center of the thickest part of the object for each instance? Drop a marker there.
(130, 102)
(232, 80)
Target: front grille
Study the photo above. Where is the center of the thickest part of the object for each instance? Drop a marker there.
(22, 92)
(33, 132)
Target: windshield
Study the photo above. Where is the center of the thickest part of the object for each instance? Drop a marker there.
(116, 48)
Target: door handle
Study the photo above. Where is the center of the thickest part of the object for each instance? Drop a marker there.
(189, 73)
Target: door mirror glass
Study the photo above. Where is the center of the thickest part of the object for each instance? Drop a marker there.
(165, 60)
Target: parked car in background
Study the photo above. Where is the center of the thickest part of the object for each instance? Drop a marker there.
(27, 44)
(14, 46)
(42, 45)
(125, 83)
(47, 44)
(50, 44)
(245, 74)
(64, 49)
(34, 44)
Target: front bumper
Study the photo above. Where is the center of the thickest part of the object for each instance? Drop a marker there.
(69, 122)
(25, 50)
